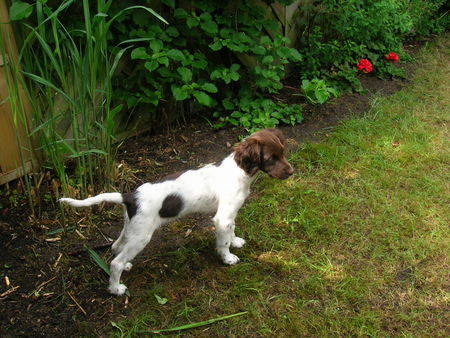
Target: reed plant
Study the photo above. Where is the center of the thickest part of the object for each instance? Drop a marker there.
(68, 70)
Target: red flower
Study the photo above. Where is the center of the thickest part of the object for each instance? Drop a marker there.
(365, 66)
(392, 57)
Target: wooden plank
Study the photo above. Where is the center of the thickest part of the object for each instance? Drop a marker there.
(16, 173)
(279, 11)
(13, 136)
(290, 11)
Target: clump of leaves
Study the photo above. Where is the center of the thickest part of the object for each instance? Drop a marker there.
(317, 91)
(204, 59)
(254, 114)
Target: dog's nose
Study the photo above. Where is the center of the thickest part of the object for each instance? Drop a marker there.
(290, 170)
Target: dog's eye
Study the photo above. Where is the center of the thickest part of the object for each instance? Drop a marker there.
(271, 160)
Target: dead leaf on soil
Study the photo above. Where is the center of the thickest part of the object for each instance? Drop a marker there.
(52, 240)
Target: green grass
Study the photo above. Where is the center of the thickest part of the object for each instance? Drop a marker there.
(355, 244)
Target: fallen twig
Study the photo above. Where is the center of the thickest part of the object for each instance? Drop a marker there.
(75, 301)
(39, 288)
(7, 292)
(57, 261)
(293, 88)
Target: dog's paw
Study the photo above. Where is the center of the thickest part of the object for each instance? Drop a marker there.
(237, 242)
(118, 289)
(128, 266)
(230, 259)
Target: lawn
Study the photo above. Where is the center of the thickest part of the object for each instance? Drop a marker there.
(354, 244)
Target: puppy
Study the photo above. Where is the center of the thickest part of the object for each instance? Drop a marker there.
(219, 190)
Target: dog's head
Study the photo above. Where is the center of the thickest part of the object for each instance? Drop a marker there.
(264, 150)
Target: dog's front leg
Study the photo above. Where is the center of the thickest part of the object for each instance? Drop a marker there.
(225, 237)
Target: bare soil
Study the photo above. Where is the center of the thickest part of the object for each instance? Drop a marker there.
(48, 284)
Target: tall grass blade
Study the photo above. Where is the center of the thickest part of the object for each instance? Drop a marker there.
(194, 325)
(47, 83)
(151, 11)
(101, 263)
(98, 260)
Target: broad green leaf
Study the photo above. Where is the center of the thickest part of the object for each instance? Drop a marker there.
(20, 10)
(156, 45)
(140, 53)
(200, 64)
(295, 55)
(161, 300)
(203, 98)
(180, 13)
(209, 87)
(321, 96)
(151, 65)
(235, 67)
(192, 22)
(265, 40)
(228, 104)
(165, 72)
(210, 27)
(179, 93)
(164, 61)
(267, 59)
(172, 31)
(216, 45)
(186, 74)
(176, 54)
(234, 76)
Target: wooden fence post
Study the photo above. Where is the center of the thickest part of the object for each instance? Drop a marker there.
(15, 156)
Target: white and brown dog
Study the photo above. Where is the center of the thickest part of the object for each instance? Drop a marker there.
(219, 190)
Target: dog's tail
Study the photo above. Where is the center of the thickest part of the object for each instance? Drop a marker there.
(111, 197)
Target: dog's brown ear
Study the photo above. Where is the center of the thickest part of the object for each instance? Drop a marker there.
(248, 155)
(278, 133)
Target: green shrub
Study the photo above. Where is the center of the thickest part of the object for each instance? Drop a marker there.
(206, 56)
(336, 34)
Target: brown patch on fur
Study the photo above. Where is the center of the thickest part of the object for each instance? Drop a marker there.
(129, 199)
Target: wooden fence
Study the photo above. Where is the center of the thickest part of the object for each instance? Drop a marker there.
(15, 158)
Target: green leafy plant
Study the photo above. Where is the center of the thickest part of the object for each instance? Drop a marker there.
(69, 67)
(258, 113)
(317, 91)
(203, 58)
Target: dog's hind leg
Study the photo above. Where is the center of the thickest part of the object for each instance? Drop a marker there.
(118, 243)
(134, 241)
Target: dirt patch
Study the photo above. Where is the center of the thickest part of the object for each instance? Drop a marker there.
(49, 285)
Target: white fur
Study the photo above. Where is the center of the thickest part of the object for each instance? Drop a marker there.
(217, 190)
